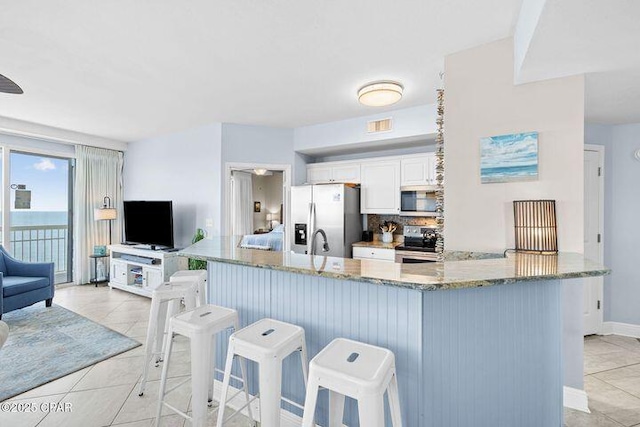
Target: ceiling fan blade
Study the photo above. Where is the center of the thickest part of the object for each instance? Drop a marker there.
(8, 86)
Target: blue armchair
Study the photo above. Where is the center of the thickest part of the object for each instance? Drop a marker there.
(24, 283)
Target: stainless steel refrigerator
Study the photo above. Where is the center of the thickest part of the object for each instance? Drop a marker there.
(334, 208)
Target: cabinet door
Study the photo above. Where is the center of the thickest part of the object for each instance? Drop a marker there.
(380, 187)
(415, 171)
(318, 174)
(431, 169)
(118, 272)
(151, 278)
(347, 173)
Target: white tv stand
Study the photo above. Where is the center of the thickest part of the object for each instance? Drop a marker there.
(141, 276)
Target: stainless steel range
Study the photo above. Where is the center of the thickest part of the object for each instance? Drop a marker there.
(419, 245)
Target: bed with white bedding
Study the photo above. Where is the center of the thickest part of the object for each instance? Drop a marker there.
(271, 241)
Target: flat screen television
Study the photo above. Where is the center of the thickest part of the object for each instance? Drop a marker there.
(149, 223)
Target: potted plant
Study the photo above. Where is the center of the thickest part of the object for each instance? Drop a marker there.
(197, 264)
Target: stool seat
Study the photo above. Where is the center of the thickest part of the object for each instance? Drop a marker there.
(204, 319)
(267, 342)
(361, 364)
(361, 371)
(268, 338)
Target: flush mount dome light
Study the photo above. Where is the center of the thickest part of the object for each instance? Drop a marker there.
(380, 94)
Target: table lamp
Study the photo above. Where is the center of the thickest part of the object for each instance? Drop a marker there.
(535, 226)
(270, 219)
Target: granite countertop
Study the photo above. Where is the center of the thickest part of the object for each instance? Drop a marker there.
(469, 273)
(377, 244)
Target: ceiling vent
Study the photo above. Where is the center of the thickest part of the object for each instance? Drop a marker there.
(8, 86)
(383, 125)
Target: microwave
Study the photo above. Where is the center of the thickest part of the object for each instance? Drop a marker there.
(418, 200)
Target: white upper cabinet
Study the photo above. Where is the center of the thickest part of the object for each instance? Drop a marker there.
(348, 172)
(318, 174)
(321, 173)
(380, 187)
(380, 179)
(418, 170)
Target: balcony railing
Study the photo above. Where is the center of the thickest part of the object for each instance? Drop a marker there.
(42, 243)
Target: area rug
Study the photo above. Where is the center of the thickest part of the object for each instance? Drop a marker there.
(48, 343)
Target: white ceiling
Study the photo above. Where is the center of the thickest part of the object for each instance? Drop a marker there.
(596, 37)
(131, 69)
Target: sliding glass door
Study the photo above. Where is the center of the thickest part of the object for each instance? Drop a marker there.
(39, 216)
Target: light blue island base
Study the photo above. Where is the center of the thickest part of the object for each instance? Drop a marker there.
(483, 357)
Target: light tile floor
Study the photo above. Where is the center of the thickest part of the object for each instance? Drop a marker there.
(106, 394)
(612, 382)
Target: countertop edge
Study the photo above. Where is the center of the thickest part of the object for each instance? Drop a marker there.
(450, 285)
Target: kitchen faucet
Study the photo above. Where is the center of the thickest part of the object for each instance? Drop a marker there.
(325, 245)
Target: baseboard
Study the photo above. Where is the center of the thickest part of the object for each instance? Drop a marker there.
(618, 328)
(574, 398)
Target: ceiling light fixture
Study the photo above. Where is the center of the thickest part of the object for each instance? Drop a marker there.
(8, 86)
(380, 93)
(260, 171)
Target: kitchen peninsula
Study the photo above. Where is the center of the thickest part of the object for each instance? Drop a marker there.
(477, 342)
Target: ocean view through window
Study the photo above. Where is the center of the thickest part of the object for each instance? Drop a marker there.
(40, 222)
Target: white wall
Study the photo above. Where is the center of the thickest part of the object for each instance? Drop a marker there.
(481, 100)
(415, 122)
(183, 167)
(621, 212)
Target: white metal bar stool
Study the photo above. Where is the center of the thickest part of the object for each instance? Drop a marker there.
(165, 301)
(361, 371)
(267, 342)
(200, 326)
(198, 276)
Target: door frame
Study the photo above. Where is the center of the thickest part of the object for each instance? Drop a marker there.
(600, 291)
(227, 190)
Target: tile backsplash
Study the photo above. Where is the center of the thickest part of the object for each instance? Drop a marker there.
(374, 221)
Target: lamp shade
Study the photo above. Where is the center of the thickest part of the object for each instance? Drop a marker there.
(535, 226)
(103, 214)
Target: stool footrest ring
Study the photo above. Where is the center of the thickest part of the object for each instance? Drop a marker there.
(176, 386)
(240, 408)
(177, 411)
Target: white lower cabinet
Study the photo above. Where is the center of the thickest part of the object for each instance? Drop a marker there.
(151, 278)
(374, 253)
(140, 271)
(118, 272)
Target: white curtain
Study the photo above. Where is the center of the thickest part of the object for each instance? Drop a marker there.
(98, 174)
(242, 202)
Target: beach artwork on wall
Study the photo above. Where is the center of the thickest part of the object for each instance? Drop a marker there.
(509, 158)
